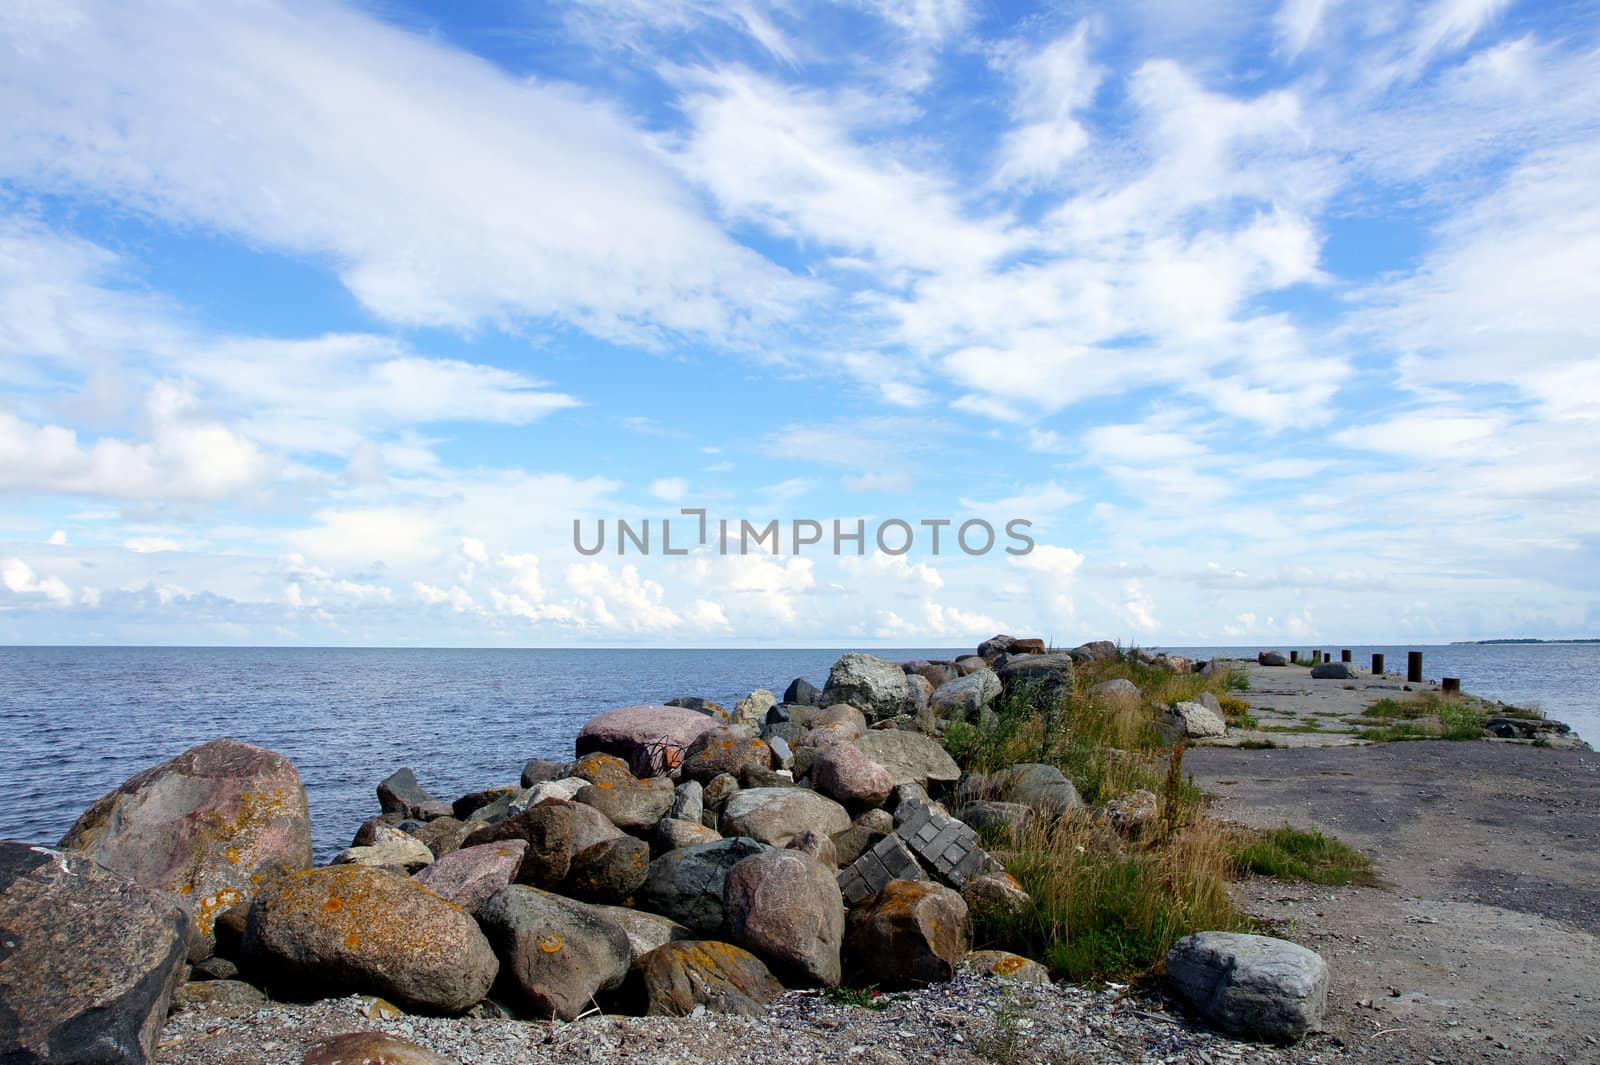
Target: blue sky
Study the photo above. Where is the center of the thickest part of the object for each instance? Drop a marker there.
(322, 323)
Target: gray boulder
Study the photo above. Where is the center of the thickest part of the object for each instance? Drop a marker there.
(1119, 691)
(1251, 986)
(539, 770)
(672, 835)
(872, 685)
(786, 907)
(609, 871)
(997, 820)
(910, 757)
(688, 801)
(555, 953)
(631, 804)
(407, 853)
(687, 885)
(645, 931)
(802, 692)
(210, 825)
(776, 815)
(1052, 674)
(966, 696)
(399, 792)
(1271, 658)
(1035, 784)
(715, 711)
(995, 646)
(1191, 720)
(751, 711)
(1335, 671)
(88, 960)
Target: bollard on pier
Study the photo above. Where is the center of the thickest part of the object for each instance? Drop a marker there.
(1413, 667)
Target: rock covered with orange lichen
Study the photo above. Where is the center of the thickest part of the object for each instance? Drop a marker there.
(729, 749)
(556, 954)
(679, 976)
(911, 934)
(631, 804)
(211, 825)
(358, 928)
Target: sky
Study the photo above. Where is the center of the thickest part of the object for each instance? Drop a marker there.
(323, 323)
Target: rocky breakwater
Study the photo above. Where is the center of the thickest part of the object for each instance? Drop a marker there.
(686, 858)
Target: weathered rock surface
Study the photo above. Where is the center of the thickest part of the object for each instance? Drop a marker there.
(1043, 787)
(235, 993)
(786, 907)
(801, 692)
(911, 934)
(1252, 986)
(719, 976)
(687, 885)
(88, 960)
(887, 860)
(1192, 720)
(1335, 671)
(1118, 692)
(631, 804)
(555, 953)
(645, 931)
(777, 815)
(672, 834)
(355, 928)
(471, 876)
(1133, 811)
(724, 750)
(846, 775)
(370, 1048)
(910, 757)
(555, 831)
(400, 793)
(1052, 673)
(1271, 658)
(1004, 965)
(997, 820)
(210, 825)
(965, 696)
(751, 711)
(818, 846)
(688, 801)
(407, 853)
(539, 770)
(655, 736)
(875, 687)
(610, 871)
(995, 894)
(701, 705)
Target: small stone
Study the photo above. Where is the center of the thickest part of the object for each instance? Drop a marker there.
(1252, 986)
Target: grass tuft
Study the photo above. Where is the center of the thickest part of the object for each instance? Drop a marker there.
(1293, 854)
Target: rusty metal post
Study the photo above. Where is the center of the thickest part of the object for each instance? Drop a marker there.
(1327, 656)
(1451, 685)
(1377, 665)
(1294, 657)
(1344, 656)
(1414, 667)
(1316, 656)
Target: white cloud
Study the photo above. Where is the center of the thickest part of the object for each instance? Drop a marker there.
(20, 580)
(1053, 83)
(670, 489)
(445, 191)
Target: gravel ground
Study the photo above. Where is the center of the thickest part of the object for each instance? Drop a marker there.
(973, 1019)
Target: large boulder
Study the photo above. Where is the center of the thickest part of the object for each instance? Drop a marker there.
(354, 928)
(471, 876)
(870, 684)
(631, 804)
(645, 931)
(370, 1048)
(556, 954)
(724, 750)
(555, 831)
(801, 692)
(650, 736)
(1004, 965)
(210, 825)
(400, 793)
(406, 853)
(1271, 658)
(844, 774)
(88, 960)
(1118, 692)
(1043, 787)
(965, 696)
(1133, 812)
(1335, 671)
(995, 896)
(994, 820)
(910, 757)
(608, 872)
(911, 934)
(672, 834)
(679, 977)
(1191, 720)
(751, 711)
(1096, 650)
(786, 907)
(1050, 674)
(1252, 986)
(777, 815)
(995, 646)
(687, 885)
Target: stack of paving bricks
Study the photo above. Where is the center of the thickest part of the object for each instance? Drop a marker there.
(948, 848)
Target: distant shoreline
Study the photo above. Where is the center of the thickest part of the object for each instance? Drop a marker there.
(1485, 643)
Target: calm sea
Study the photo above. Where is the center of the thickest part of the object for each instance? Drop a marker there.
(77, 721)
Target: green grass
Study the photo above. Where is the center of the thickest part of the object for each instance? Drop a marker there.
(1292, 854)
(867, 998)
(1430, 716)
